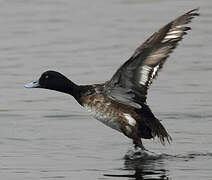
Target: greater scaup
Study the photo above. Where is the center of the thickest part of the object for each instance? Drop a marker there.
(120, 103)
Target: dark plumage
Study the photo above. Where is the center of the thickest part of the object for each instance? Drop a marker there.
(121, 102)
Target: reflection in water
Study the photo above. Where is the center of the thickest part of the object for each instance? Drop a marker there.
(143, 169)
(149, 165)
(147, 169)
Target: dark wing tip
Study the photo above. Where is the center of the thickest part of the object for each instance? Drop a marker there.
(187, 17)
(193, 12)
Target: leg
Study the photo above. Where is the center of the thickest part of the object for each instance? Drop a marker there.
(138, 143)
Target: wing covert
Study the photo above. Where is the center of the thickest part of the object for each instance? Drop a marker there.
(132, 80)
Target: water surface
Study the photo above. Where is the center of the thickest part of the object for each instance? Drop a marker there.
(47, 135)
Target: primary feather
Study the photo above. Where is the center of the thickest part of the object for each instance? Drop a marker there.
(132, 80)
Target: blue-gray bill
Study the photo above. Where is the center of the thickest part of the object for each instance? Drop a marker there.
(32, 85)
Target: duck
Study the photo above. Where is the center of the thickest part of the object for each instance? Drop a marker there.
(121, 102)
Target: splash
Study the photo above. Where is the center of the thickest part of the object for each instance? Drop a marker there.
(138, 153)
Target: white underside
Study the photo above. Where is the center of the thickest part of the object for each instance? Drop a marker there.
(130, 119)
(104, 118)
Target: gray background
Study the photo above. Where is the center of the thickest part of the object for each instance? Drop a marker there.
(47, 135)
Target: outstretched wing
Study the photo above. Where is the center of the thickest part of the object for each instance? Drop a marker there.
(130, 83)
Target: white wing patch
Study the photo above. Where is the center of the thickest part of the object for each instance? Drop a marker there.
(144, 74)
(147, 73)
(130, 119)
(155, 69)
(173, 33)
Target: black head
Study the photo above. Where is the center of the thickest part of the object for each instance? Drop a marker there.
(55, 81)
(52, 80)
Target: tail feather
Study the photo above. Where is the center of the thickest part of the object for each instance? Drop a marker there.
(159, 131)
(156, 128)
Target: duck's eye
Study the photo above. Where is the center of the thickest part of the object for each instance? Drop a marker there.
(46, 77)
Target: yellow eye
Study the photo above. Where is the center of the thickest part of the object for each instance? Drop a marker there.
(46, 76)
